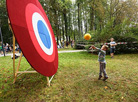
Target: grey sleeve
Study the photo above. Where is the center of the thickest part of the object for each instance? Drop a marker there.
(102, 51)
(99, 50)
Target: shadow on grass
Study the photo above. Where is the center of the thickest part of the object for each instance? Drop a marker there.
(26, 85)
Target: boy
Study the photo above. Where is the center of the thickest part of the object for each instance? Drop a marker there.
(112, 47)
(101, 59)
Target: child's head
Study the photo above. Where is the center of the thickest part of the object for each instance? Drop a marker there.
(112, 39)
(104, 47)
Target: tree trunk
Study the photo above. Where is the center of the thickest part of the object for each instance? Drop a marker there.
(111, 10)
(86, 27)
(60, 35)
(74, 36)
(79, 18)
(69, 27)
(81, 29)
(57, 40)
(56, 25)
(69, 38)
(63, 29)
(66, 25)
(91, 18)
(63, 33)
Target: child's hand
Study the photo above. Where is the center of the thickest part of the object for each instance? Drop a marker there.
(93, 47)
(90, 47)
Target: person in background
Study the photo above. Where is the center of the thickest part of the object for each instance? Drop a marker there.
(67, 43)
(1, 48)
(63, 43)
(7, 47)
(72, 43)
(112, 47)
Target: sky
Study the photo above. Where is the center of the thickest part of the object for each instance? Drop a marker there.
(73, 1)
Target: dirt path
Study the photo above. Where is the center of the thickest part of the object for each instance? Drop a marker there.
(66, 51)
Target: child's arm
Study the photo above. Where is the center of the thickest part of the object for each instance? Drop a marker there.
(92, 47)
(98, 49)
(113, 44)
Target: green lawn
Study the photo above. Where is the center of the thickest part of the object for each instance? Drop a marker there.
(75, 81)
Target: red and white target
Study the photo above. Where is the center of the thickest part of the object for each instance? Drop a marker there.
(34, 34)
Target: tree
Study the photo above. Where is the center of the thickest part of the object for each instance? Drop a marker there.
(4, 22)
(102, 18)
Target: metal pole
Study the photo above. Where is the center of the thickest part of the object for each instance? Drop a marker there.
(2, 42)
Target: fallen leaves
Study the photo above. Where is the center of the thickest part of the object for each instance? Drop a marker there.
(2, 87)
(105, 87)
(122, 98)
(5, 81)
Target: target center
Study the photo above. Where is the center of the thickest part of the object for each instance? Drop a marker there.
(44, 34)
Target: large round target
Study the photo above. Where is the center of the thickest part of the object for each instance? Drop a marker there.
(34, 35)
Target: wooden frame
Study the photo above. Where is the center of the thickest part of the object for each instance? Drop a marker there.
(16, 71)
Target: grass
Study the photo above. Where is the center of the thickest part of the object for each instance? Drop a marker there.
(75, 81)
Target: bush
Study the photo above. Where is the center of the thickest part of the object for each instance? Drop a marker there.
(130, 47)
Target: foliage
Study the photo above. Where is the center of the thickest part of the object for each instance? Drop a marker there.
(4, 22)
(103, 18)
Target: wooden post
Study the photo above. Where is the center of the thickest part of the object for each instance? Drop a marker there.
(18, 67)
(13, 49)
(13, 56)
(48, 82)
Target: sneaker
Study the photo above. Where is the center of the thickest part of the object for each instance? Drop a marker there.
(105, 78)
(100, 77)
(16, 57)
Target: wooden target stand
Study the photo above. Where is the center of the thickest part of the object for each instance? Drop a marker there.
(16, 72)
